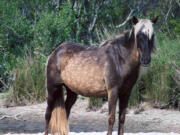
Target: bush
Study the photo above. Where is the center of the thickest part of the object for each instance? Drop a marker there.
(29, 82)
(95, 103)
(27, 28)
(39, 26)
(15, 36)
(15, 30)
(160, 85)
(53, 29)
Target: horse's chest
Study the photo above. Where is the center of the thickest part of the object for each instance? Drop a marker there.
(84, 76)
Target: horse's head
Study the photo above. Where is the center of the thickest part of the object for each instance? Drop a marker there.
(144, 38)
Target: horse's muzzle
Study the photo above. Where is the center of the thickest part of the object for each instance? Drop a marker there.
(145, 65)
(145, 61)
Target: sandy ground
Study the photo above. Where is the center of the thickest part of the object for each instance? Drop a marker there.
(104, 133)
(30, 119)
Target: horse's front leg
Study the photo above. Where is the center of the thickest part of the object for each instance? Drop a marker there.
(112, 100)
(123, 103)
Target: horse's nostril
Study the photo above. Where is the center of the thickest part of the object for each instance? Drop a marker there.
(145, 60)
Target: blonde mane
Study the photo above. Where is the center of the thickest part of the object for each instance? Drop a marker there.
(145, 26)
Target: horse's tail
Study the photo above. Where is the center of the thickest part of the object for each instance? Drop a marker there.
(59, 122)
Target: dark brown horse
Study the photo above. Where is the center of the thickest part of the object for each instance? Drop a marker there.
(110, 69)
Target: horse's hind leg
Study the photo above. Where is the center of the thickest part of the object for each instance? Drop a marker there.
(50, 106)
(53, 97)
(70, 100)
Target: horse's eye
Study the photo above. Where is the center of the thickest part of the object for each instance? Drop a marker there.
(142, 36)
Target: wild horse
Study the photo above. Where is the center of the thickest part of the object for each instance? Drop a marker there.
(110, 69)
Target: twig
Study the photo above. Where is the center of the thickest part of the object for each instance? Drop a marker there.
(127, 19)
(94, 20)
(3, 83)
(78, 20)
(92, 25)
(167, 15)
(177, 2)
(11, 116)
(135, 12)
(168, 11)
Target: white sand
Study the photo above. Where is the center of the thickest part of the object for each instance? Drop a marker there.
(103, 133)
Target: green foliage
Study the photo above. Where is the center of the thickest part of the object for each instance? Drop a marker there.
(15, 36)
(165, 62)
(159, 84)
(38, 26)
(135, 98)
(15, 29)
(29, 82)
(95, 103)
(28, 28)
(175, 26)
(53, 29)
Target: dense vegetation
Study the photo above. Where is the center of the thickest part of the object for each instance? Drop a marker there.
(30, 30)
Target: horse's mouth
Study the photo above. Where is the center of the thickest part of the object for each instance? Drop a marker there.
(145, 65)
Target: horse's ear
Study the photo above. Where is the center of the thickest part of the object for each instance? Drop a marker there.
(135, 20)
(154, 20)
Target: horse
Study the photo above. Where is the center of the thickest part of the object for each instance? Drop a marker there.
(109, 70)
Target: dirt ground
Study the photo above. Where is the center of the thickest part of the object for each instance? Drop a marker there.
(30, 119)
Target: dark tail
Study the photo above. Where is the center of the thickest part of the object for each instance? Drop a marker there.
(59, 122)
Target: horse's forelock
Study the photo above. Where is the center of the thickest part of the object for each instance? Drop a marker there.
(145, 26)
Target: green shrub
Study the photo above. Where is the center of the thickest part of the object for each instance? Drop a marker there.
(159, 84)
(15, 36)
(165, 62)
(95, 103)
(135, 96)
(53, 29)
(29, 82)
(41, 25)
(15, 29)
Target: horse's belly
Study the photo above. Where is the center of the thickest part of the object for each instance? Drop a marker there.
(84, 78)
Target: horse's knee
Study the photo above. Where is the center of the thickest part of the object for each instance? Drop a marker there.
(122, 119)
(111, 119)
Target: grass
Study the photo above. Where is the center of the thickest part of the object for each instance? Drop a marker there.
(159, 84)
(95, 103)
(29, 82)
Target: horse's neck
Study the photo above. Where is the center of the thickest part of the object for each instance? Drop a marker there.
(133, 51)
(126, 57)
(132, 58)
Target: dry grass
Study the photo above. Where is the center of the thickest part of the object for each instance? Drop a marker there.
(160, 85)
(29, 82)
